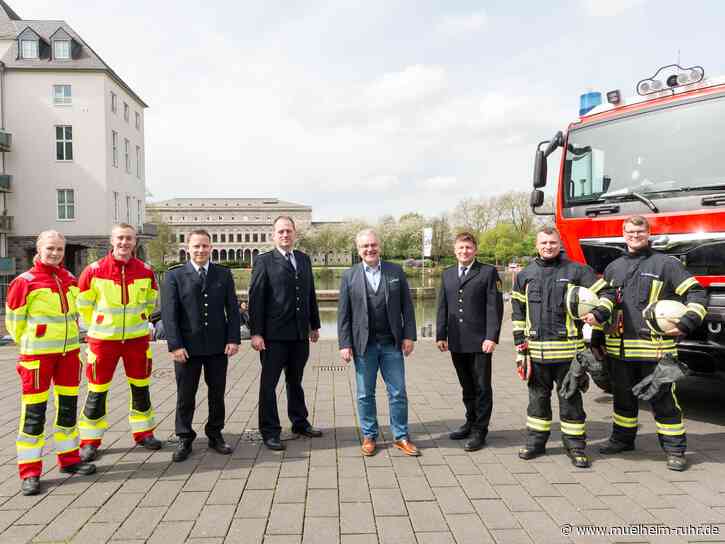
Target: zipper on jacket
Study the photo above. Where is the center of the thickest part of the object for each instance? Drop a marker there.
(64, 309)
(124, 301)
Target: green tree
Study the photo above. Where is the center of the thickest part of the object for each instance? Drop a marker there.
(504, 243)
(163, 246)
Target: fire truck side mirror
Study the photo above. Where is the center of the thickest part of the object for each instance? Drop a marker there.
(539, 169)
(537, 198)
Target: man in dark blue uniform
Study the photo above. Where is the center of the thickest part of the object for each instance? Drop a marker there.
(200, 313)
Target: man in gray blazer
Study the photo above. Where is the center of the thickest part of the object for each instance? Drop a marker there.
(376, 327)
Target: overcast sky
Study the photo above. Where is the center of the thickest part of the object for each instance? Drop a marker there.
(361, 109)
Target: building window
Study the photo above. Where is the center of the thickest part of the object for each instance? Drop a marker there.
(138, 162)
(239, 237)
(214, 238)
(223, 238)
(125, 112)
(138, 121)
(181, 238)
(62, 95)
(255, 237)
(61, 49)
(126, 156)
(114, 102)
(246, 237)
(114, 143)
(64, 143)
(263, 237)
(66, 204)
(139, 212)
(29, 49)
(128, 210)
(115, 206)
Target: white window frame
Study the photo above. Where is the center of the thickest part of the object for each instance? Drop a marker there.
(55, 49)
(114, 102)
(62, 201)
(126, 156)
(31, 54)
(60, 98)
(114, 148)
(138, 161)
(64, 141)
(115, 206)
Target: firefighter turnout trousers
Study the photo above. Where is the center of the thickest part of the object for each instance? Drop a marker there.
(571, 411)
(36, 374)
(102, 358)
(666, 408)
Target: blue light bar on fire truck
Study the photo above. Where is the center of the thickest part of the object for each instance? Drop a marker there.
(669, 77)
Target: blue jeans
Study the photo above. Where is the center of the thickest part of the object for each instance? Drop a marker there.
(389, 360)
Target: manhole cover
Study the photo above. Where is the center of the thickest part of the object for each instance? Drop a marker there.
(250, 435)
(331, 368)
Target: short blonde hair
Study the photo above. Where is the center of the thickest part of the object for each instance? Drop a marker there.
(48, 234)
(366, 232)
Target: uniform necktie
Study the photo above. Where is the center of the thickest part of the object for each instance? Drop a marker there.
(462, 272)
(288, 256)
(202, 276)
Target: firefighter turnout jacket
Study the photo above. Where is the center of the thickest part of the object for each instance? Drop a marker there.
(41, 316)
(117, 298)
(539, 315)
(634, 281)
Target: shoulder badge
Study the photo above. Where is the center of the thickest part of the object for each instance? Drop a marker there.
(27, 276)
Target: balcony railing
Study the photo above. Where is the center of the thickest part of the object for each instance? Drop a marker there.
(149, 229)
(6, 223)
(7, 266)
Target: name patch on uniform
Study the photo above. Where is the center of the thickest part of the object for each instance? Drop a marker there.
(647, 274)
(394, 280)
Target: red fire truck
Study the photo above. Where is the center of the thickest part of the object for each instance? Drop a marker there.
(660, 154)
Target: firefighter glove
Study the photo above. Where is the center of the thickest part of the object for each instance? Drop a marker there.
(668, 370)
(576, 379)
(523, 361)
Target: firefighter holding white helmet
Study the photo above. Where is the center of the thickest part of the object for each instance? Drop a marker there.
(642, 292)
(548, 300)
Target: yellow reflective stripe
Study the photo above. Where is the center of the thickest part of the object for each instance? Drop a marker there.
(83, 302)
(537, 424)
(622, 421)
(571, 328)
(18, 315)
(112, 329)
(654, 292)
(519, 324)
(65, 442)
(574, 429)
(29, 440)
(139, 382)
(90, 429)
(120, 309)
(685, 285)
(30, 365)
(598, 285)
(518, 296)
(556, 344)
(67, 390)
(699, 309)
(99, 387)
(47, 319)
(35, 398)
(527, 330)
(29, 455)
(670, 429)
(608, 304)
(674, 396)
(141, 421)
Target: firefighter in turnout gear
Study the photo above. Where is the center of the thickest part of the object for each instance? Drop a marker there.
(117, 296)
(544, 330)
(634, 281)
(41, 316)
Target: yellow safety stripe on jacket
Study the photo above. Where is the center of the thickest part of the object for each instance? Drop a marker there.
(99, 387)
(527, 329)
(139, 382)
(29, 440)
(107, 318)
(28, 454)
(35, 398)
(65, 441)
(573, 429)
(537, 424)
(608, 304)
(141, 421)
(555, 349)
(519, 325)
(640, 349)
(16, 321)
(670, 429)
(699, 309)
(623, 421)
(66, 390)
(518, 296)
(92, 428)
(598, 285)
(654, 292)
(685, 285)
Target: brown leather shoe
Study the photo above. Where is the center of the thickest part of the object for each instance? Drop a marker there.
(407, 447)
(368, 446)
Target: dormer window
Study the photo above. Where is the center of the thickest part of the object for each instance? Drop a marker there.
(61, 49)
(29, 49)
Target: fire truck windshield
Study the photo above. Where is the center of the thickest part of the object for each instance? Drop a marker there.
(673, 149)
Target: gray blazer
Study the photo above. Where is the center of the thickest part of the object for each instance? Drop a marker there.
(352, 308)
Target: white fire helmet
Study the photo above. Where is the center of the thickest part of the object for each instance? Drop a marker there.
(580, 301)
(664, 315)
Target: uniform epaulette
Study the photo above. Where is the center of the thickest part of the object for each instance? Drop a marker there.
(177, 265)
(95, 265)
(27, 276)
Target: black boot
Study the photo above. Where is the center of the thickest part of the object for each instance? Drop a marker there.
(676, 461)
(579, 459)
(182, 452)
(477, 441)
(611, 447)
(30, 486)
(88, 453)
(150, 443)
(464, 431)
(529, 452)
(79, 468)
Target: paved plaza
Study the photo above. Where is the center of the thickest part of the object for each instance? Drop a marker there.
(323, 491)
